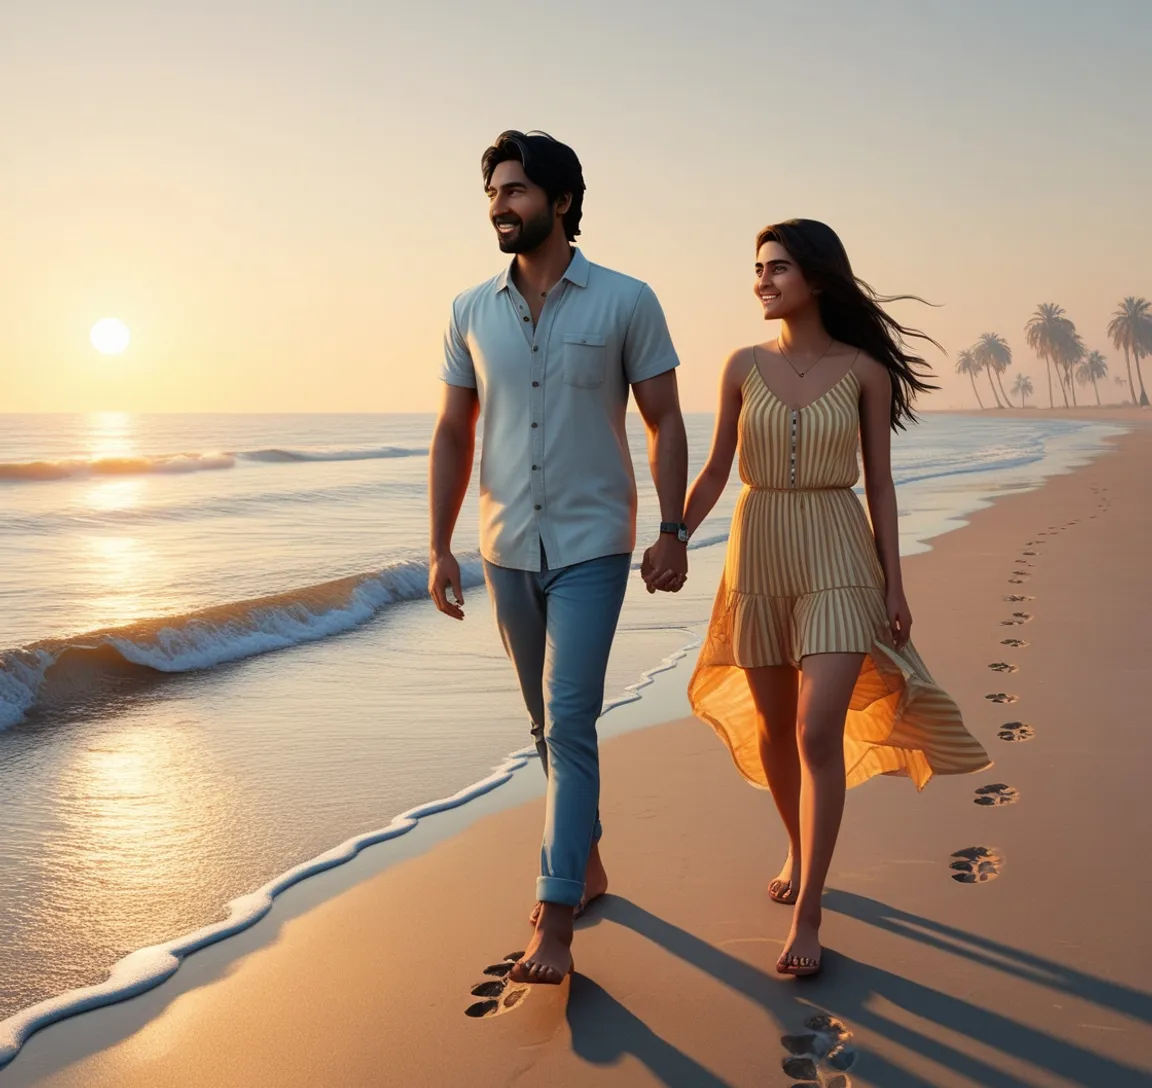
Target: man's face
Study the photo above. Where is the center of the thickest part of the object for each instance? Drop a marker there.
(519, 209)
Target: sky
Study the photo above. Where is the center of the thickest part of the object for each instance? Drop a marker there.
(282, 198)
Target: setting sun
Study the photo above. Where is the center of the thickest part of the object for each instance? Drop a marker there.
(110, 336)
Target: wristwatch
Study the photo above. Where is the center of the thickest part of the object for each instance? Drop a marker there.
(677, 527)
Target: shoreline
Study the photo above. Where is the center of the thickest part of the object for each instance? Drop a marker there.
(506, 773)
(148, 968)
(941, 984)
(954, 491)
(1105, 413)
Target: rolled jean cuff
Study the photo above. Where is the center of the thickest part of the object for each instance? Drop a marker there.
(555, 889)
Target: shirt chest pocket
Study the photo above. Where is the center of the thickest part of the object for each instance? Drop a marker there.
(585, 359)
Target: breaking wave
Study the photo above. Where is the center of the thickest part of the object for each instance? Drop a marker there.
(135, 465)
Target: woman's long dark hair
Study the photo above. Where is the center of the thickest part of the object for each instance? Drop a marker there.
(852, 311)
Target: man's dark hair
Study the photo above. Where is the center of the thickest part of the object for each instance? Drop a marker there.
(548, 163)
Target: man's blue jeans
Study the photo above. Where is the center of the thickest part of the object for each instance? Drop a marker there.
(557, 627)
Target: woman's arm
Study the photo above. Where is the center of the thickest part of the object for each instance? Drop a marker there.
(707, 488)
(876, 445)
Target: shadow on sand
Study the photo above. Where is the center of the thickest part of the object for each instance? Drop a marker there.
(604, 1031)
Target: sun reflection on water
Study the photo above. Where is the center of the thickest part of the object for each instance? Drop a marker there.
(133, 809)
(114, 567)
(111, 434)
(111, 438)
(123, 493)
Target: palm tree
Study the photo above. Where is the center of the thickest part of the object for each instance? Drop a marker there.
(1050, 333)
(982, 366)
(994, 355)
(1071, 357)
(1094, 368)
(1023, 388)
(1131, 332)
(966, 364)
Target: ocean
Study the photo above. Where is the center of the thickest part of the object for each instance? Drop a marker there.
(218, 661)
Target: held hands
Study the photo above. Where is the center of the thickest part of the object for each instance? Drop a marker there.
(899, 617)
(665, 565)
(444, 572)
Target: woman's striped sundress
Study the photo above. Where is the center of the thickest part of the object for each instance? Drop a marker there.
(802, 577)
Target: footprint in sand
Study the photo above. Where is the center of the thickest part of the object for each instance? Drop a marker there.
(1017, 581)
(1020, 573)
(998, 793)
(820, 1055)
(499, 994)
(1003, 666)
(1017, 619)
(1015, 643)
(1016, 731)
(976, 865)
(1016, 598)
(1030, 553)
(1001, 697)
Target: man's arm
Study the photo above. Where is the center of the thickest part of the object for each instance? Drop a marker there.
(449, 470)
(658, 399)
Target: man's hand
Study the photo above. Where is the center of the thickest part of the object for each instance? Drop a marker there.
(444, 572)
(665, 565)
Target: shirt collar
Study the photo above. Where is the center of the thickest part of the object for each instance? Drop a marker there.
(576, 273)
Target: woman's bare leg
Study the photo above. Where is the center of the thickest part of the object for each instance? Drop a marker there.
(774, 691)
(827, 681)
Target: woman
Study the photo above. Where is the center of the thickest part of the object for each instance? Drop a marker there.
(807, 672)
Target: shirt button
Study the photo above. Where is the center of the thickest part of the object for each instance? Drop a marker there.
(526, 318)
(537, 506)
(535, 347)
(535, 384)
(533, 424)
(535, 467)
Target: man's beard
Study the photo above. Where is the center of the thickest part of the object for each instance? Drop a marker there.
(528, 236)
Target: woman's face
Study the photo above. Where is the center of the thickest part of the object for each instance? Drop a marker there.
(780, 285)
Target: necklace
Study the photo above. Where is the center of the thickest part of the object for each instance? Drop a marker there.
(798, 372)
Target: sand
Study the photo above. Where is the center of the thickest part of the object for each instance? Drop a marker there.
(1037, 976)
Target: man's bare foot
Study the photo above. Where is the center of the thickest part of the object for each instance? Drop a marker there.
(595, 876)
(802, 953)
(595, 885)
(784, 888)
(548, 958)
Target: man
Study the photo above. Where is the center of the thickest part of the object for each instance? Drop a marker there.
(548, 350)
